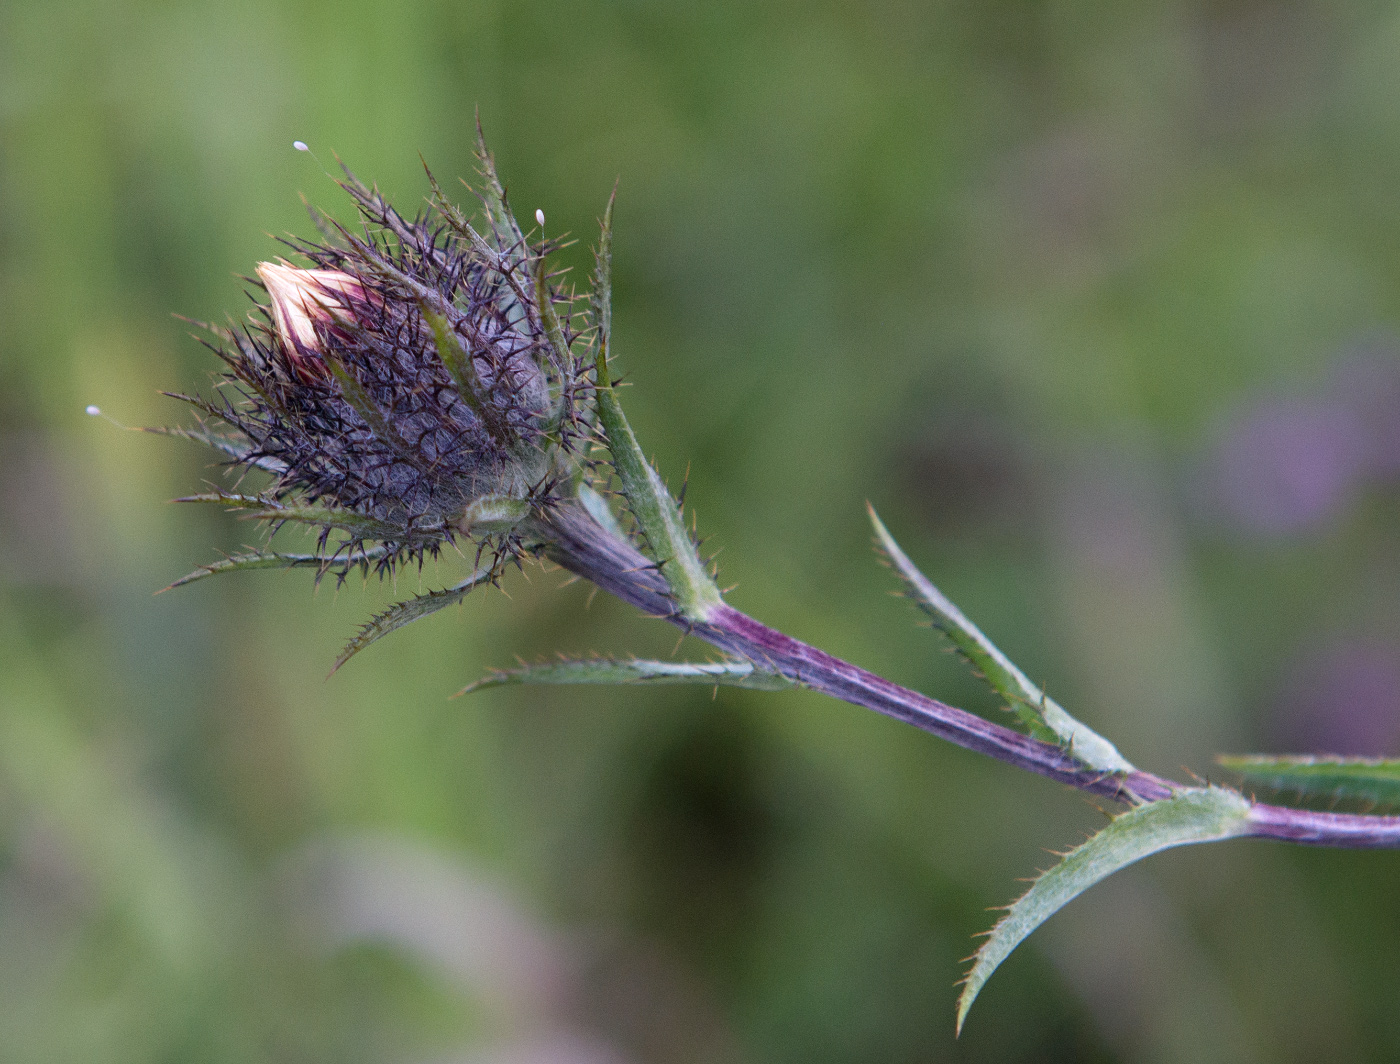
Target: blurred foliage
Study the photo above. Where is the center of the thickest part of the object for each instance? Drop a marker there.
(1097, 303)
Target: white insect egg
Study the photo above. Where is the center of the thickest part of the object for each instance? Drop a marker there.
(300, 145)
(539, 217)
(94, 411)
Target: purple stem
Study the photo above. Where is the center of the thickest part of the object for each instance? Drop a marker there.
(576, 542)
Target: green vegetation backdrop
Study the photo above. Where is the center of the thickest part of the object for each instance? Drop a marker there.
(1099, 304)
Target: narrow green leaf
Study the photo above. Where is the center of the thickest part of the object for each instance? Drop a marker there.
(234, 500)
(509, 238)
(462, 369)
(356, 524)
(276, 560)
(451, 213)
(1042, 716)
(610, 671)
(1197, 814)
(402, 613)
(223, 444)
(238, 450)
(265, 508)
(600, 302)
(600, 299)
(1370, 779)
(553, 330)
(556, 368)
(656, 512)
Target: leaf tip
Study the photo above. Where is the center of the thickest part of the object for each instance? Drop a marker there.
(492, 679)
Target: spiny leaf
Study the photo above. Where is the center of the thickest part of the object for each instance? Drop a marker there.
(266, 508)
(657, 514)
(1370, 779)
(600, 302)
(451, 213)
(668, 542)
(1042, 716)
(554, 333)
(402, 613)
(553, 329)
(599, 308)
(509, 238)
(507, 250)
(235, 500)
(610, 671)
(462, 368)
(1197, 814)
(275, 560)
(223, 444)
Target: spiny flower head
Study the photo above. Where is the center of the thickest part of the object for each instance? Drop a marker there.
(417, 382)
(414, 383)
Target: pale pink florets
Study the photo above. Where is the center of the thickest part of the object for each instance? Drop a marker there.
(299, 299)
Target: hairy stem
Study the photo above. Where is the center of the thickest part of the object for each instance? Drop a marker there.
(575, 541)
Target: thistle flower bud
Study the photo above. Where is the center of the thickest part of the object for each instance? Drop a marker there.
(417, 383)
(413, 384)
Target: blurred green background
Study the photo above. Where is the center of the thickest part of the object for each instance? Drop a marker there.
(1098, 303)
